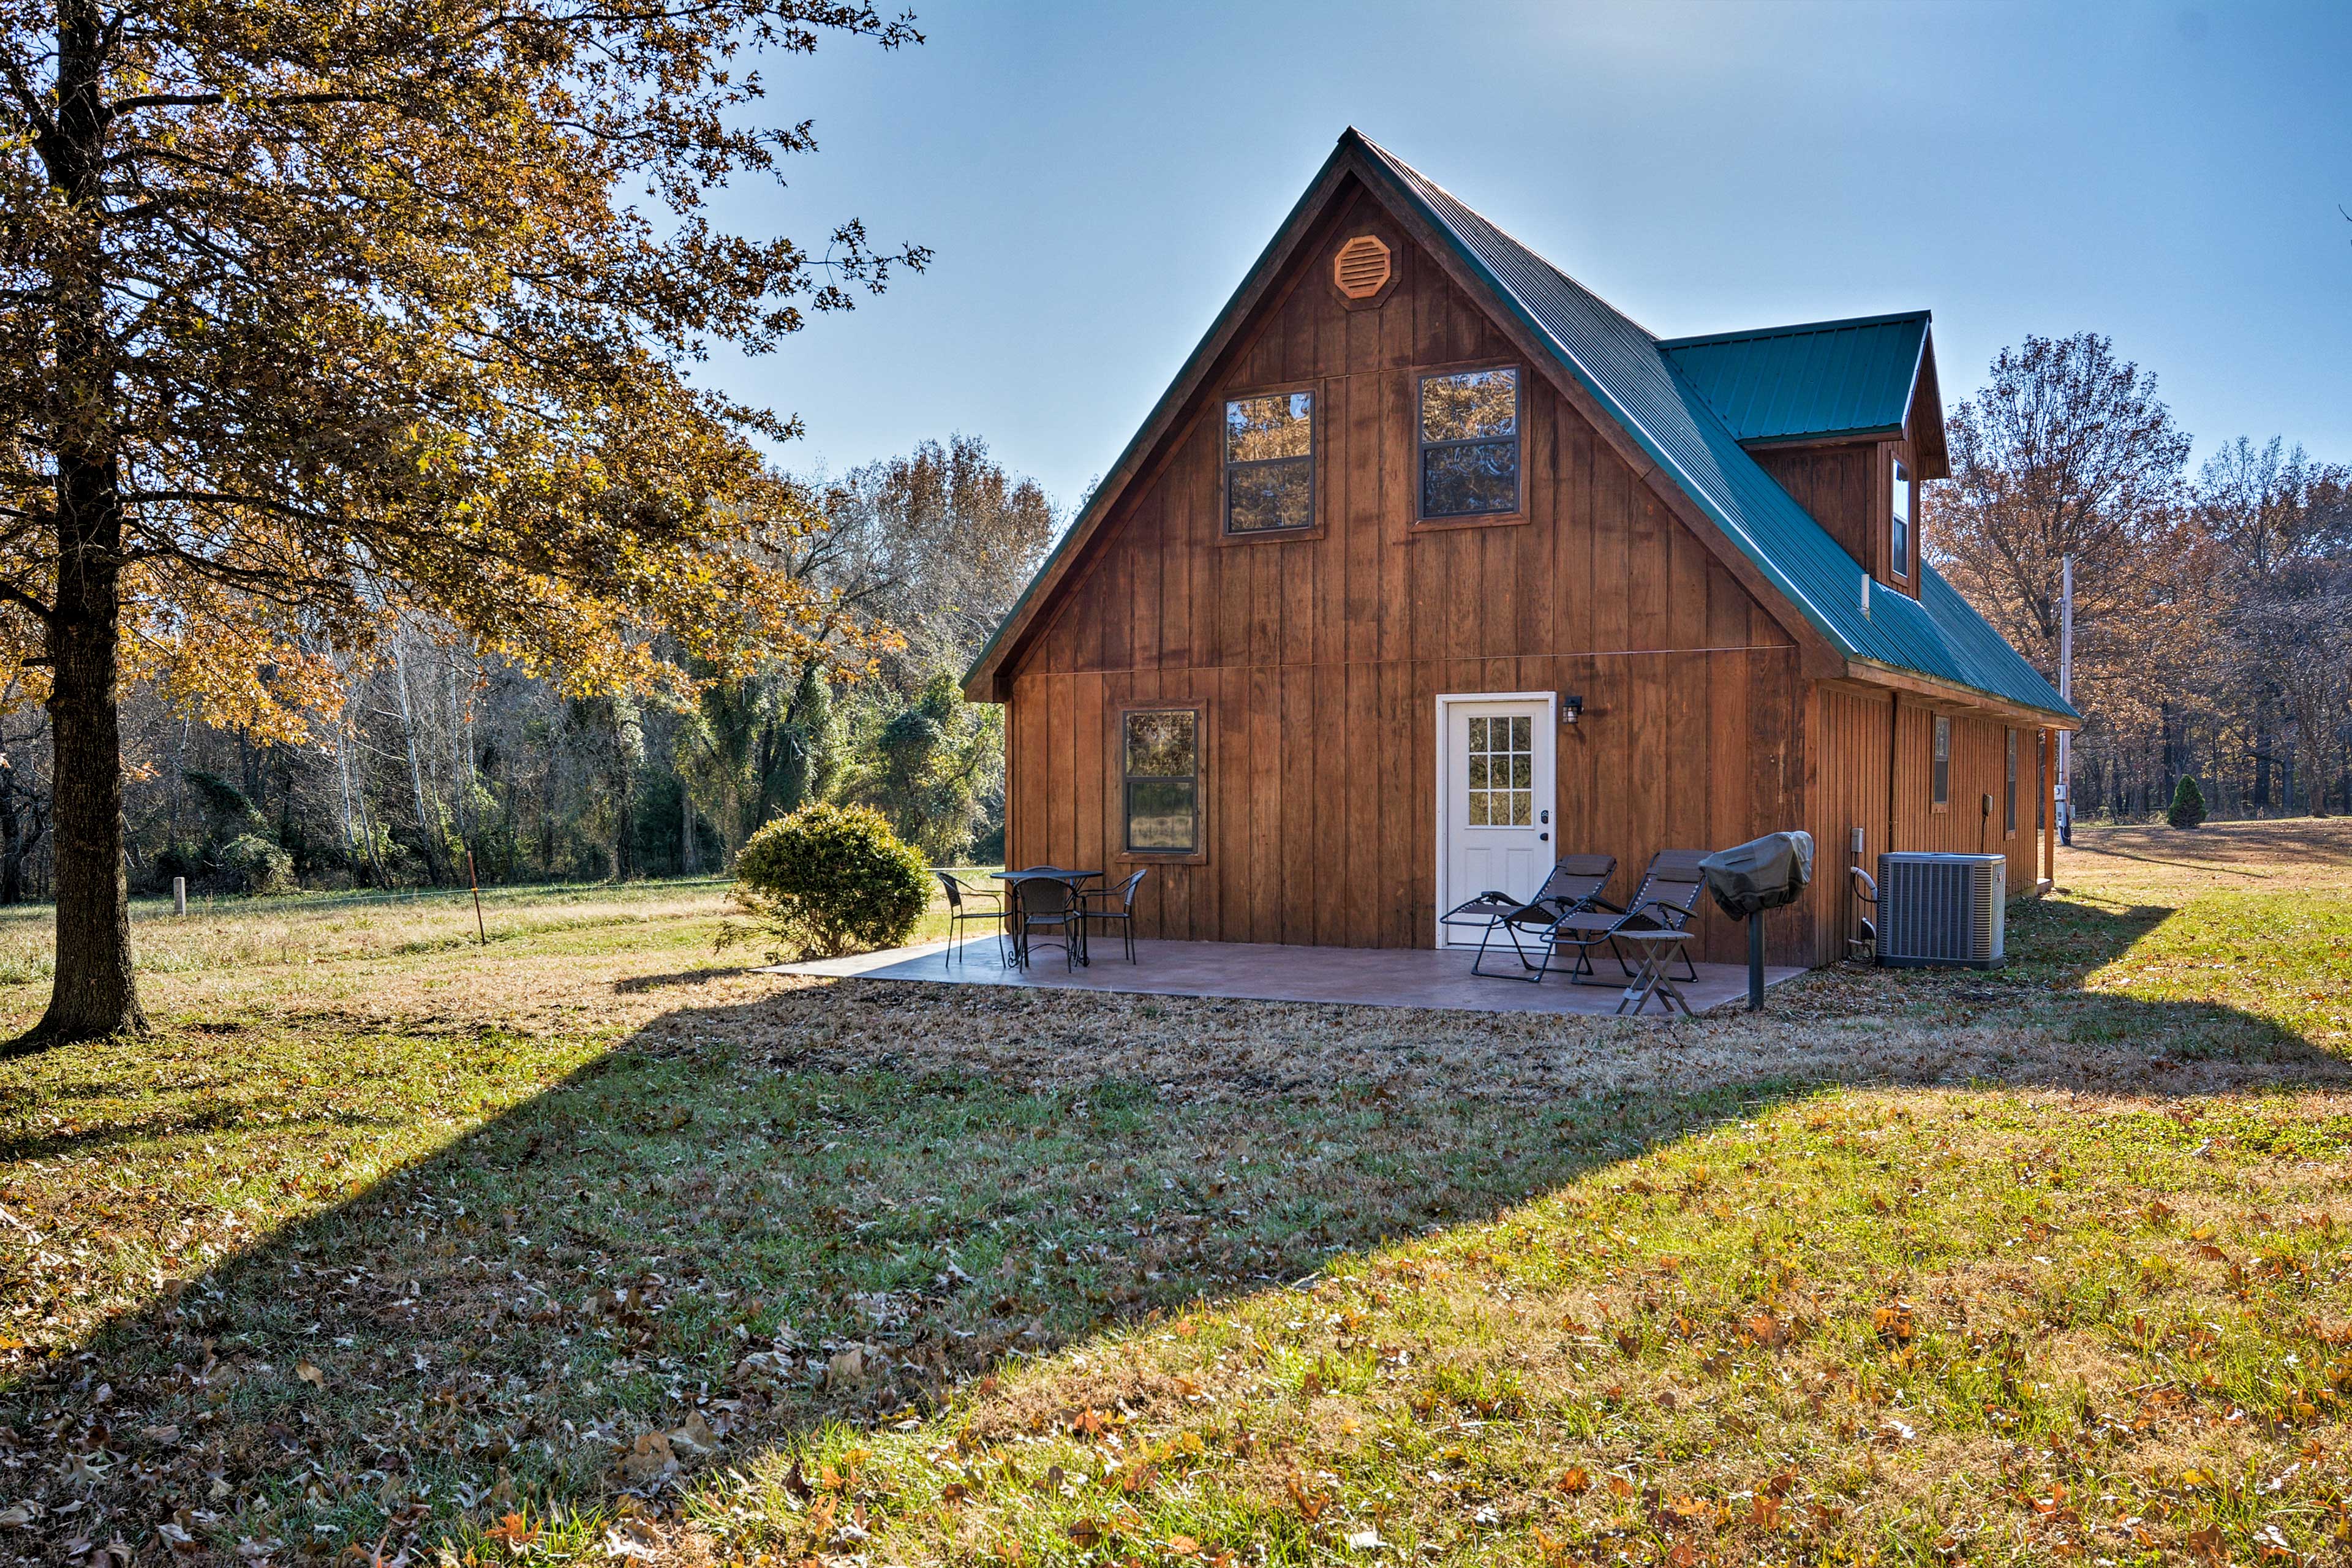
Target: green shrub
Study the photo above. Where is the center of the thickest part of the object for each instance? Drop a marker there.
(2188, 808)
(252, 863)
(831, 879)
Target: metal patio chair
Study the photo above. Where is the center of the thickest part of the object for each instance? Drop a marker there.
(1575, 883)
(1665, 900)
(960, 916)
(1097, 903)
(1049, 904)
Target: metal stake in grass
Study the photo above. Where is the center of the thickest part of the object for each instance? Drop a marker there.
(477, 881)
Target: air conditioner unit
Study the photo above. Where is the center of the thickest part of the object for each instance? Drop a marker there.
(1941, 909)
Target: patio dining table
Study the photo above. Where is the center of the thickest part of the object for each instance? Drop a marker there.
(1014, 879)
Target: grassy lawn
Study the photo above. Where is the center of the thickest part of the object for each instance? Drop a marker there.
(593, 1241)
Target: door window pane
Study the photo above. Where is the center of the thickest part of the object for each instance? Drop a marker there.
(1940, 763)
(1501, 785)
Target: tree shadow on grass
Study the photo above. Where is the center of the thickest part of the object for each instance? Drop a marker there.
(843, 1202)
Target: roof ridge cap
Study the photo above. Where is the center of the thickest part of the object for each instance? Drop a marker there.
(1796, 329)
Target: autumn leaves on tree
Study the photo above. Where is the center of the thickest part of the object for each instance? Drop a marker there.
(2213, 615)
(311, 316)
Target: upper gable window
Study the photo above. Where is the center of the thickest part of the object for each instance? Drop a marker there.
(1270, 462)
(1469, 444)
(1900, 542)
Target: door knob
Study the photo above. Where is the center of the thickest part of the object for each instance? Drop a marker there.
(1543, 837)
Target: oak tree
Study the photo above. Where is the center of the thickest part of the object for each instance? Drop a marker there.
(313, 315)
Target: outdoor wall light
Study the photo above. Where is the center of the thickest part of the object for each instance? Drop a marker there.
(1571, 703)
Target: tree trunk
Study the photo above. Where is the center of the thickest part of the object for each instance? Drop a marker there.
(427, 829)
(13, 848)
(2262, 795)
(94, 994)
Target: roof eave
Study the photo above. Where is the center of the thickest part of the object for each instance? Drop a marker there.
(1876, 672)
(982, 680)
(1923, 419)
(1821, 437)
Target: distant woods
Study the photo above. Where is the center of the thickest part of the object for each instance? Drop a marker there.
(2213, 609)
(440, 748)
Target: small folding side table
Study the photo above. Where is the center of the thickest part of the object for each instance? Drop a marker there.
(1654, 951)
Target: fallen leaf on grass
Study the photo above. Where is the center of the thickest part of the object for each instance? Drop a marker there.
(307, 1372)
(847, 1370)
(695, 1438)
(632, 1538)
(649, 1460)
(1364, 1540)
(514, 1530)
(765, 1370)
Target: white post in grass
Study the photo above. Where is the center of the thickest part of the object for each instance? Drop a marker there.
(2066, 690)
(179, 895)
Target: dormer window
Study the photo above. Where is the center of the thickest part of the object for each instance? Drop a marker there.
(1899, 548)
(1270, 463)
(1469, 444)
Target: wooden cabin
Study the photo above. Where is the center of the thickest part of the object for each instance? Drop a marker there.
(1431, 567)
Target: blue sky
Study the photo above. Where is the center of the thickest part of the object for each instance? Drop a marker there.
(1095, 179)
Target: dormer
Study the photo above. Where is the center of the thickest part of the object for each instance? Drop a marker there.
(1846, 415)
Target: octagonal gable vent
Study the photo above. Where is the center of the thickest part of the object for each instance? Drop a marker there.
(1362, 267)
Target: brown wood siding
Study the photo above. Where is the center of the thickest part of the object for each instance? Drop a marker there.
(1317, 659)
(1319, 783)
(1845, 485)
(1839, 485)
(1849, 733)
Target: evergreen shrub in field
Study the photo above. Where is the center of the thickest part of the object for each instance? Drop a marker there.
(831, 880)
(2188, 808)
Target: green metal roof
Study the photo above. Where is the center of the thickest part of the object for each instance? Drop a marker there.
(1937, 635)
(1823, 378)
(1635, 377)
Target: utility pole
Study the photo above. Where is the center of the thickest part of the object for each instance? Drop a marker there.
(2066, 690)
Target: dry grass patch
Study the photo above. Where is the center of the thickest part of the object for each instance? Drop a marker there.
(593, 1240)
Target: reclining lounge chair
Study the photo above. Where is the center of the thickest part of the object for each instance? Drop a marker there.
(1575, 883)
(1666, 898)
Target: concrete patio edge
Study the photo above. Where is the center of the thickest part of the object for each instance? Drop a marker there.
(1265, 972)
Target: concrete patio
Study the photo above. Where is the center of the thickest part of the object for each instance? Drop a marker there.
(1261, 972)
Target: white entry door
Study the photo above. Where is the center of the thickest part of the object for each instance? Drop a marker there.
(1494, 799)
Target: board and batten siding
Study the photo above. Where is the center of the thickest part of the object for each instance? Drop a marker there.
(1848, 488)
(1316, 660)
(1850, 734)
